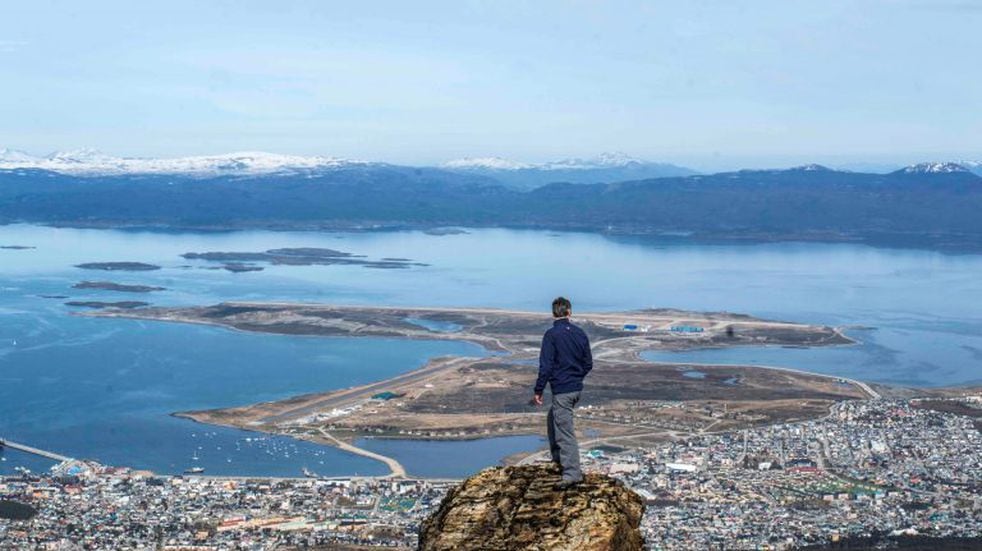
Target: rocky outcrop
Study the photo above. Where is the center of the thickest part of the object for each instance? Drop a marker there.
(516, 508)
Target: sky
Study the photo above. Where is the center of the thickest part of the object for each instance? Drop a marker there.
(711, 85)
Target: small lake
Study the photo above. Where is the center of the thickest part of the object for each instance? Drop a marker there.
(938, 362)
(435, 325)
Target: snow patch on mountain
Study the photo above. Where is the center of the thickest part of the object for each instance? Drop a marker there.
(604, 160)
(813, 167)
(974, 166)
(14, 156)
(489, 163)
(935, 168)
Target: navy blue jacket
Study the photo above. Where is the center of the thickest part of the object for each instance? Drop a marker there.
(565, 358)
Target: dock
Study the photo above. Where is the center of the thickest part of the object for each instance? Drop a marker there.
(32, 450)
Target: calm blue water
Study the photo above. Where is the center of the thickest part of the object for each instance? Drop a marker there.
(104, 388)
(439, 458)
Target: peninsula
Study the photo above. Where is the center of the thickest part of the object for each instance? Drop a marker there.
(631, 400)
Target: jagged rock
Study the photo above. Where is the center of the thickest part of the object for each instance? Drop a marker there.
(516, 508)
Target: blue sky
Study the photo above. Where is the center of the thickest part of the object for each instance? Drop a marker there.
(711, 85)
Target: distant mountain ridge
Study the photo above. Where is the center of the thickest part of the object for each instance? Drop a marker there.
(932, 205)
(604, 168)
(603, 160)
(90, 162)
(974, 166)
(936, 168)
(607, 167)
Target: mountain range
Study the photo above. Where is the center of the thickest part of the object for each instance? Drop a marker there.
(934, 205)
(90, 162)
(607, 167)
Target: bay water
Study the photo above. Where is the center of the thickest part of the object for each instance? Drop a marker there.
(105, 388)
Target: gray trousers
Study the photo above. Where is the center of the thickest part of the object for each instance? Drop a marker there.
(562, 437)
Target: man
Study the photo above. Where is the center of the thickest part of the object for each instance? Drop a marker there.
(564, 361)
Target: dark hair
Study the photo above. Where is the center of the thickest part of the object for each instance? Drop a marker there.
(561, 307)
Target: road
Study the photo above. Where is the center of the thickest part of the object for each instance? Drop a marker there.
(398, 471)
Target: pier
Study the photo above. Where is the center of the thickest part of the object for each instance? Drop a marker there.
(35, 451)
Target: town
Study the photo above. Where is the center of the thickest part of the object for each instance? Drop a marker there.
(878, 467)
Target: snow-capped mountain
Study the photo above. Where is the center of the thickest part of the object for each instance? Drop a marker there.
(489, 163)
(974, 166)
(607, 167)
(89, 162)
(14, 156)
(813, 167)
(604, 160)
(935, 168)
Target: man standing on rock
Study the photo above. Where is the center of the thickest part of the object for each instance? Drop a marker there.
(564, 361)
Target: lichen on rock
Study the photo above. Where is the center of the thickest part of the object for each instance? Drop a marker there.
(517, 508)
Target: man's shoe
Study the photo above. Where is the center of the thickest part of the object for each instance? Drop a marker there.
(565, 484)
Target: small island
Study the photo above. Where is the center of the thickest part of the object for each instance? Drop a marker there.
(17, 247)
(238, 267)
(445, 231)
(98, 304)
(120, 287)
(296, 256)
(118, 266)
